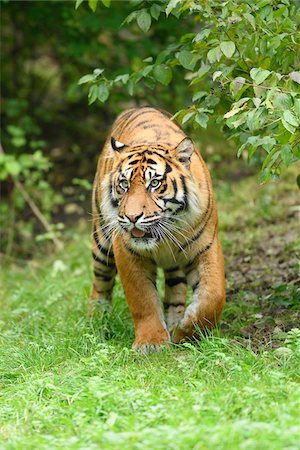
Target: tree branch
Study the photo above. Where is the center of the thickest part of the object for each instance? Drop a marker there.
(34, 208)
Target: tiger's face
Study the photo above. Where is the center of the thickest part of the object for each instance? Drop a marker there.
(151, 193)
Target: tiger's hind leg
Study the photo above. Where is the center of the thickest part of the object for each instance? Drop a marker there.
(104, 271)
(175, 297)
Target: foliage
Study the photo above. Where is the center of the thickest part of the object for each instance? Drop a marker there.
(239, 61)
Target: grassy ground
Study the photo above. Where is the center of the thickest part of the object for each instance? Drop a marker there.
(72, 382)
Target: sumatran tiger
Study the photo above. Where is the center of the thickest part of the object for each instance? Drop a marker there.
(153, 206)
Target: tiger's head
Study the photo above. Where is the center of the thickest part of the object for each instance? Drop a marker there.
(152, 196)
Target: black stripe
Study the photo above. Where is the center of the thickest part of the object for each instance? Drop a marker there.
(173, 269)
(168, 305)
(103, 250)
(135, 154)
(143, 123)
(124, 121)
(190, 265)
(146, 127)
(199, 232)
(102, 276)
(131, 250)
(103, 291)
(150, 161)
(97, 199)
(174, 182)
(195, 286)
(114, 202)
(185, 190)
(140, 113)
(168, 168)
(172, 200)
(164, 188)
(205, 249)
(209, 211)
(102, 261)
(175, 130)
(134, 162)
(174, 281)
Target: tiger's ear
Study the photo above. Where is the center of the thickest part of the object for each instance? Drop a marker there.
(116, 145)
(184, 151)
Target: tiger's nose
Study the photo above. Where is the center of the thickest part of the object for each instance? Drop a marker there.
(134, 217)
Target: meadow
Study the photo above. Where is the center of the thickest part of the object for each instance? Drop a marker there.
(69, 381)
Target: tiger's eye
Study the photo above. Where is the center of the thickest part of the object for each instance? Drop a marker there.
(124, 184)
(154, 183)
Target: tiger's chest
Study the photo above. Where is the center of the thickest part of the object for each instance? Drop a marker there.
(169, 256)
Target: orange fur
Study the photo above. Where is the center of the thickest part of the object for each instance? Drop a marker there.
(153, 206)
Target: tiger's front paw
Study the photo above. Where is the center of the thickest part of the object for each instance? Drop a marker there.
(145, 349)
(180, 333)
(151, 345)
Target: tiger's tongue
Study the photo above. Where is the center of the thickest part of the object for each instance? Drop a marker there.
(137, 233)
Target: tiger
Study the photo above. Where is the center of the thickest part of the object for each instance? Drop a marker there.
(153, 207)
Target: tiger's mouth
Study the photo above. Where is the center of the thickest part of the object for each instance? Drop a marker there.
(140, 234)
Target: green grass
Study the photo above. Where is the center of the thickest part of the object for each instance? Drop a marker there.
(72, 382)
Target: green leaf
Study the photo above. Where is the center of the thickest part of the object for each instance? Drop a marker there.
(78, 3)
(171, 5)
(198, 95)
(216, 75)
(86, 79)
(282, 101)
(251, 20)
(93, 94)
(106, 3)
(147, 70)
(144, 20)
(163, 74)
(98, 72)
(188, 116)
(13, 168)
(288, 126)
(214, 54)
(295, 76)
(237, 84)
(297, 106)
(155, 11)
(18, 141)
(93, 4)
(202, 120)
(286, 155)
(279, 12)
(186, 59)
(227, 48)
(264, 176)
(202, 35)
(231, 113)
(102, 92)
(15, 131)
(123, 78)
(200, 74)
(290, 117)
(259, 75)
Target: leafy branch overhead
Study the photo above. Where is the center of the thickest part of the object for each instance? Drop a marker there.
(241, 64)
